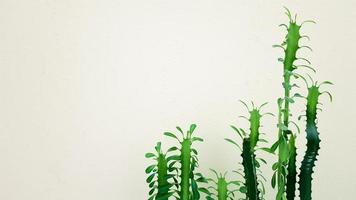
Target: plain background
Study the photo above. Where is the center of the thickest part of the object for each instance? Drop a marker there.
(87, 87)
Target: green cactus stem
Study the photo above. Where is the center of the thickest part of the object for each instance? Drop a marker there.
(185, 168)
(160, 169)
(187, 157)
(290, 46)
(313, 142)
(221, 189)
(249, 147)
(248, 162)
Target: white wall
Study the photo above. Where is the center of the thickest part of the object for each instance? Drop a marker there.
(87, 87)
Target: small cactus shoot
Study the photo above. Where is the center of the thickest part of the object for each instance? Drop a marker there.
(221, 189)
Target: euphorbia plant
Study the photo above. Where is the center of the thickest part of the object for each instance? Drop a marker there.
(187, 158)
(174, 173)
(250, 163)
(159, 179)
(285, 168)
(313, 140)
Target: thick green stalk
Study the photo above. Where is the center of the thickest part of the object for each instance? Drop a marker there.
(187, 188)
(313, 145)
(292, 41)
(248, 162)
(292, 47)
(185, 159)
(222, 189)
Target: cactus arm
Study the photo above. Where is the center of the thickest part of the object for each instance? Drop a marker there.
(290, 57)
(313, 145)
(292, 40)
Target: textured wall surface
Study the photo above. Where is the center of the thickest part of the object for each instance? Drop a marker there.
(87, 87)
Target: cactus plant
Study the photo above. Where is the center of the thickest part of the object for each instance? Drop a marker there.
(249, 146)
(313, 140)
(188, 160)
(162, 184)
(174, 173)
(291, 46)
